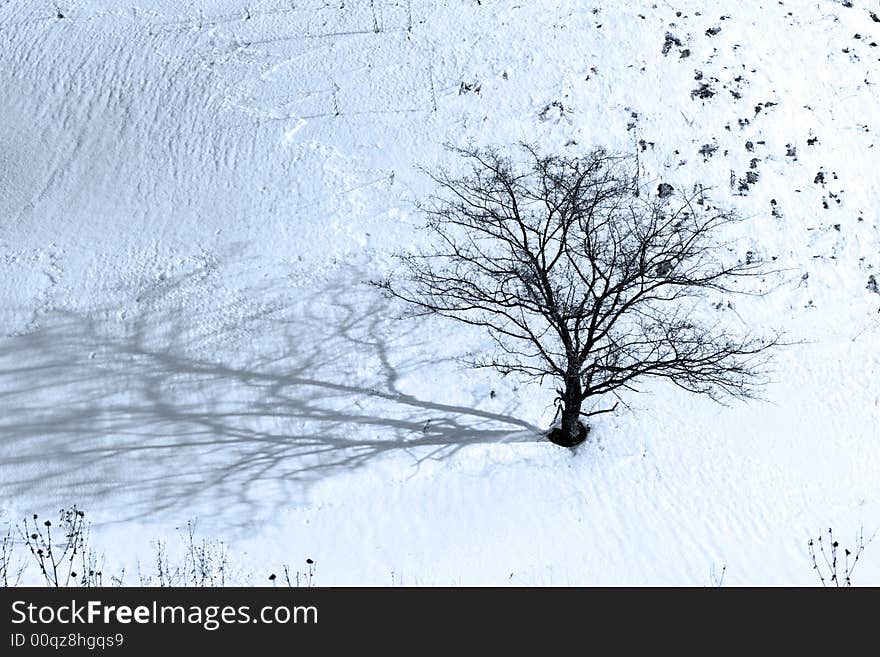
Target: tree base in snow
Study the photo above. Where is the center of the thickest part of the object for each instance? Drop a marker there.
(556, 436)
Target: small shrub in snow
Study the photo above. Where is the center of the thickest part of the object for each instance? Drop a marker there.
(299, 578)
(10, 569)
(61, 550)
(716, 577)
(204, 563)
(832, 567)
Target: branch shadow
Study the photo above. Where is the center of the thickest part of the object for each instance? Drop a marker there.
(234, 407)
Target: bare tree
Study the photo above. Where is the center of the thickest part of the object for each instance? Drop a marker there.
(581, 275)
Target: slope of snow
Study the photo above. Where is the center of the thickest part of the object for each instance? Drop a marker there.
(192, 196)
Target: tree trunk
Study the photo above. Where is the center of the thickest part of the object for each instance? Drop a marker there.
(571, 432)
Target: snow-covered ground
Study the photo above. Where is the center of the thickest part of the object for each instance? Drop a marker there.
(192, 196)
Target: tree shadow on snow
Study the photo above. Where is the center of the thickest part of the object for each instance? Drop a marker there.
(189, 399)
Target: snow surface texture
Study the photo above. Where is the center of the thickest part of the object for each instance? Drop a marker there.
(192, 195)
